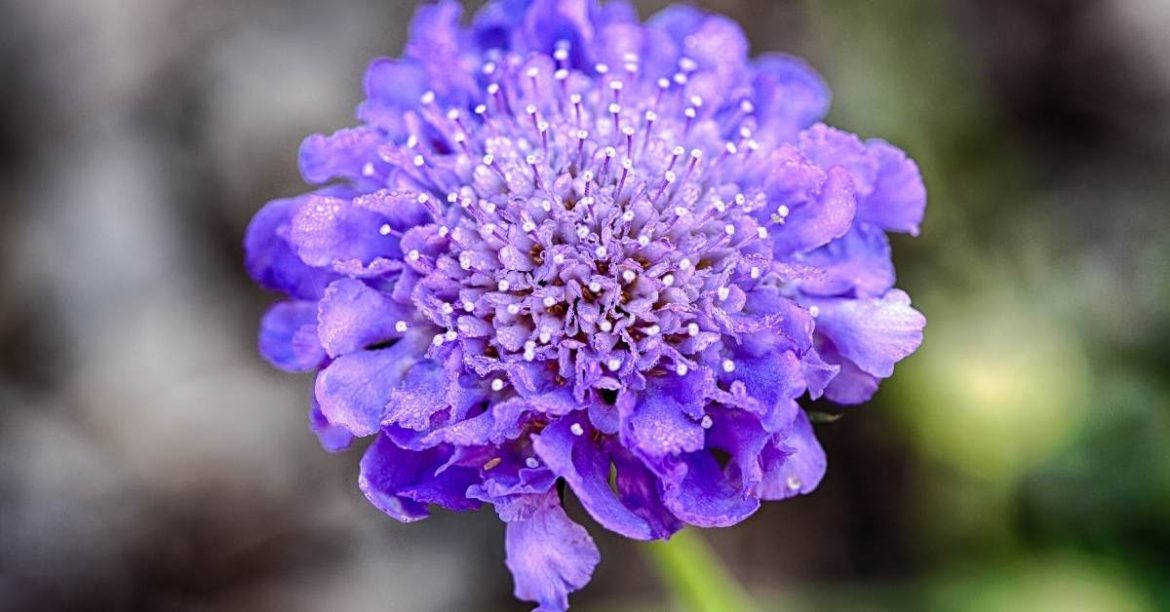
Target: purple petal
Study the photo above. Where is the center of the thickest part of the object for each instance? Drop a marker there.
(856, 264)
(549, 555)
(333, 439)
(657, 426)
(548, 22)
(327, 230)
(270, 258)
(898, 202)
(796, 466)
(288, 337)
(790, 96)
(352, 316)
(402, 482)
(347, 154)
(699, 493)
(585, 466)
(874, 334)
(827, 216)
(354, 389)
(417, 397)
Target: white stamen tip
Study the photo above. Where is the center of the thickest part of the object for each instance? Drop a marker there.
(400, 327)
(707, 422)
(497, 384)
(577, 429)
(728, 366)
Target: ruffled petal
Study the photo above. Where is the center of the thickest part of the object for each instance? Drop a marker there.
(828, 215)
(354, 389)
(700, 493)
(548, 554)
(549, 22)
(789, 97)
(271, 260)
(874, 334)
(418, 397)
(795, 466)
(327, 230)
(333, 439)
(353, 315)
(898, 202)
(288, 337)
(350, 154)
(402, 482)
(585, 466)
(857, 264)
(657, 426)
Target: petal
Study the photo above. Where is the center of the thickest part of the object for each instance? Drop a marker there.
(417, 397)
(585, 466)
(796, 466)
(288, 337)
(856, 264)
(790, 96)
(548, 554)
(327, 230)
(827, 216)
(354, 389)
(353, 315)
(548, 22)
(699, 493)
(875, 333)
(898, 202)
(270, 258)
(656, 426)
(402, 482)
(346, 154)
(333, 439)
(850, 386)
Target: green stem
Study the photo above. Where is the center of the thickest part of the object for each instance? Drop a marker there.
(695, 576)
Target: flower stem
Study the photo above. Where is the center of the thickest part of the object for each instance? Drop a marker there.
(695, 576)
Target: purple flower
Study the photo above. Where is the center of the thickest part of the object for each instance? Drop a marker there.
(563, 245)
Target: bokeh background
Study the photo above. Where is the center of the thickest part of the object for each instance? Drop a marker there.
(150, 460)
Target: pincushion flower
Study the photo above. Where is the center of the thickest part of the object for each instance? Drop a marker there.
(566, 246)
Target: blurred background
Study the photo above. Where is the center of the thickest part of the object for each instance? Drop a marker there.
(150, 460)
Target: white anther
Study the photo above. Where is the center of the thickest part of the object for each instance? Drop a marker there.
(629, 276)
(465, 261)
(413, 255)
(513, 309)
(668, 280)
(368, 169)
(502, 285)
(681, 369)
(706, 422)
(653, 330)
(643, 240)
(782, 210)
(428, 97)
(793, 483)
(528, 225)
(532, 463)
(443, 231)
(488, 159)
(605, 326)
(614, 364)
(814, 311)
(450, 335)
(497, 384)
(692, 329)
(468, 305)
(754, 273)
(628, 215)
(595, 287)
(385, 229)
(762, 232)
(729, 229)
(728, 366)
(446, 308)
(437, 340)
(582, 231)
(577, 429)
(600, 251)
(684, 264)
(400, 327)
(559, 258)
(550, 301)
(723, 293)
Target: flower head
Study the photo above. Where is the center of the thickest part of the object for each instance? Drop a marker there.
(564, 244)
